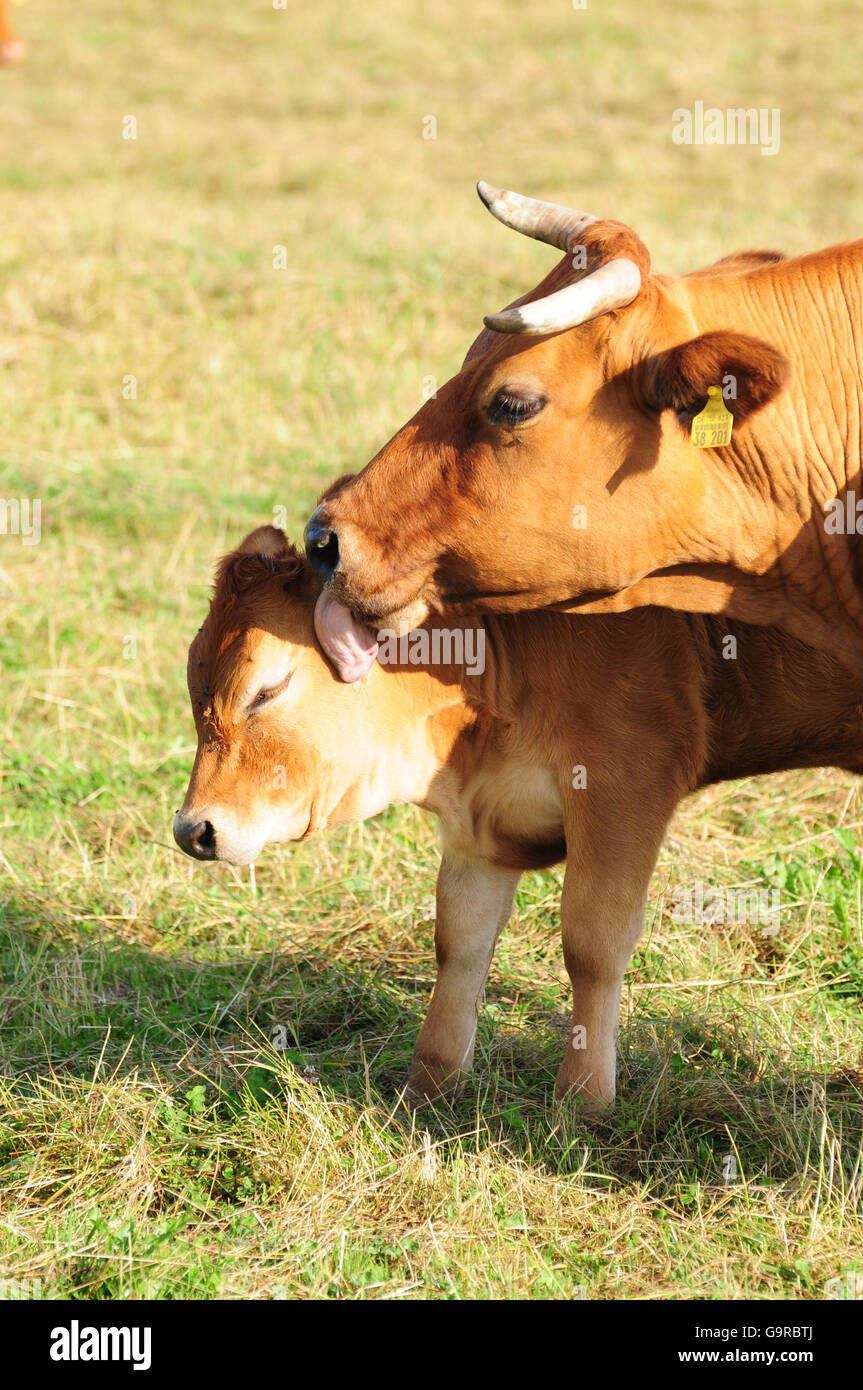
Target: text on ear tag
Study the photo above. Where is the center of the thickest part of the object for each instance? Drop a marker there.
(711, 429)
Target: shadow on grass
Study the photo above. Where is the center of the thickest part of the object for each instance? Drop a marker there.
(700, 1098)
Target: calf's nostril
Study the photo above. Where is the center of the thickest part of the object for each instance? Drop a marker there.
(204, 839)
(195, 839)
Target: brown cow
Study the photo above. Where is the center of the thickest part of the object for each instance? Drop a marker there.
(577, 739)
(556, 469)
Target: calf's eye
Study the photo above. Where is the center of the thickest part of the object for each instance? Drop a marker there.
(268, 693)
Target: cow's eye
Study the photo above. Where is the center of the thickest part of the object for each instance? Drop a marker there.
(268, 693)
(514, 407)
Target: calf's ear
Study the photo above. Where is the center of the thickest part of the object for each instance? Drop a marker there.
(749, 371)
(266, 540)
(258, 555)
(264, 552)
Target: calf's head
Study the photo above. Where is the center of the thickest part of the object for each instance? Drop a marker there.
(284, 747)
(556, 465)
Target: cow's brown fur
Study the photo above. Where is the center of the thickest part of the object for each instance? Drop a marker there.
(460, 511)
(646, 703)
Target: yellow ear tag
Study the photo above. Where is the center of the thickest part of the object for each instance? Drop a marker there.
(712, 428)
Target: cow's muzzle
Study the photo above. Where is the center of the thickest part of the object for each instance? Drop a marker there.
(195, 838)
(322, 545)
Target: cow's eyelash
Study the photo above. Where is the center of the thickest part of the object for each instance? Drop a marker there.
(509, 409)
(268, 693)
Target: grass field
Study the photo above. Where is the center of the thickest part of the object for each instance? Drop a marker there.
(154, 1139)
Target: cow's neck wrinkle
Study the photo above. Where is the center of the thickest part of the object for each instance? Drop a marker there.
(811, 309)
(769, 492)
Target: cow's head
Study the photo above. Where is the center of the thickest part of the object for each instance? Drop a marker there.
(284, 747)
(557, 464)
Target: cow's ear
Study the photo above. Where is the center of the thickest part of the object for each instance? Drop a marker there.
(749, 371)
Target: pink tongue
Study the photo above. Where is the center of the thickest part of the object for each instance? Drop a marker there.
(350, 646)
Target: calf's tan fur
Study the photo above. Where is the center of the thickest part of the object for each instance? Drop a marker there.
(646, 703)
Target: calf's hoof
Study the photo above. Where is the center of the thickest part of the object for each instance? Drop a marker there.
(583, 1095)
(428, 1083)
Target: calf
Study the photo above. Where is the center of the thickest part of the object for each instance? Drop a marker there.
(577, 740)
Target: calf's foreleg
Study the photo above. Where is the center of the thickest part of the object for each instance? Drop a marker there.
(474, 901)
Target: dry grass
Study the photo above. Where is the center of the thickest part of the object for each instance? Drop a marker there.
(153, 1141)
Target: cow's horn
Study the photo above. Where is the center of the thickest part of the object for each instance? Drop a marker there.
(548, 222)
(610, 286)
